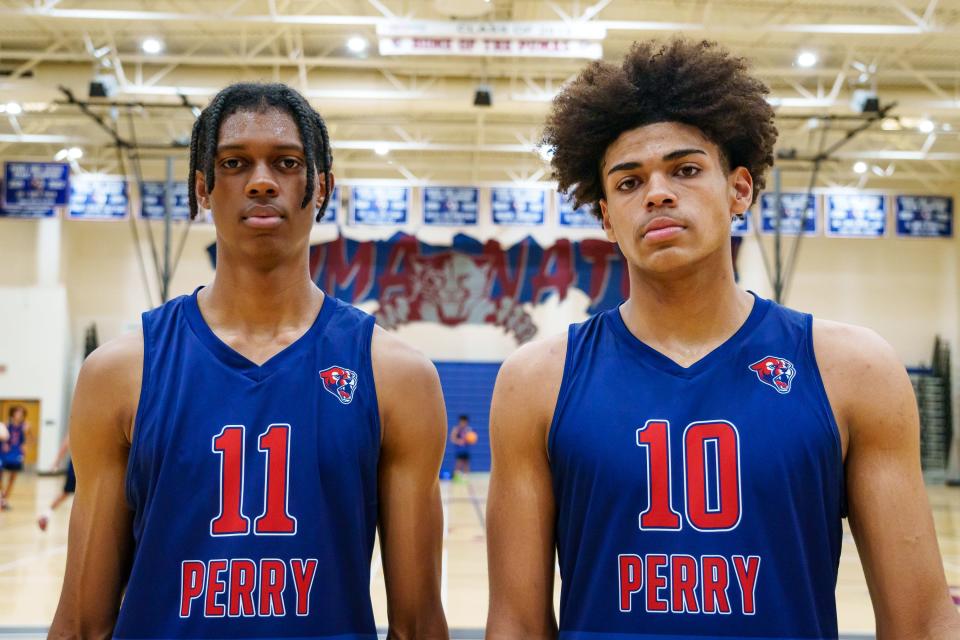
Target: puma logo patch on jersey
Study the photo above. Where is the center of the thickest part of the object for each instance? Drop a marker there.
(775, 372)
(341, 382)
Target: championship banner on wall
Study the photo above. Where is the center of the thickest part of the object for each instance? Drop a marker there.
(153, 197)
(36, 184)
(582, 218)
(94, 197)
(456, 206)
(379, 205)
(518, 206)
(34, 189)
(795, 208)
(925, 216)
(469, 282)
(856, 215)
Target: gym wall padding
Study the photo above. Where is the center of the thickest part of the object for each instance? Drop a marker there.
(467, 388)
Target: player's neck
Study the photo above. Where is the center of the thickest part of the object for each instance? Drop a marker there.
(687, 316)
(250, 299)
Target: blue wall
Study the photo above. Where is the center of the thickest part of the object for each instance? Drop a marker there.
(467, 388)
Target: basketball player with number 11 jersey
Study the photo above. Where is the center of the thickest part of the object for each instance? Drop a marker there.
(236, 457)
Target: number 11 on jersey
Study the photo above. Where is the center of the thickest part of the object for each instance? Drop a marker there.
(275, 519)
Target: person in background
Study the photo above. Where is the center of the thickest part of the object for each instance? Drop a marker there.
(463, 437)
(69, 485)
(11, 452)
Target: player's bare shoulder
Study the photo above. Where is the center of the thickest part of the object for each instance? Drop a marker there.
(396, 362)
(406, 381)
(537, 367)
(845, 350)
(529, 382)
(108, 387)
(859, 369)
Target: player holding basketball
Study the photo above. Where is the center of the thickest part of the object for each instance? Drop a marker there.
(461, 439)
(234, 460)
(691, 453)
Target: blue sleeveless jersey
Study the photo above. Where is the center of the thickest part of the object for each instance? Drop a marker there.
(700, 502)
(12, 452)
(253, 488)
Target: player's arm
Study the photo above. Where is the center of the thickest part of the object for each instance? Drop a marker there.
(520, 504)
(888, 509)
(414, 429)
(100, 541)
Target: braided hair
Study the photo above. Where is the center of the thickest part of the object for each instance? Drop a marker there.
(248, 96)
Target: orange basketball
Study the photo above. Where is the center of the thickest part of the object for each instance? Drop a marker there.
(471, 437)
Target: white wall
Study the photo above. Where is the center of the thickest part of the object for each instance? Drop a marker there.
(904, 288)
(34, 349)
(18, 252)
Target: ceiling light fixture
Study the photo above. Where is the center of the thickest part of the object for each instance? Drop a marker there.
(381, 149)
(13, 108)
(806, 59)
(860, 167)
(152, 45)
(357, 44)
(926, 126)
(72, 154)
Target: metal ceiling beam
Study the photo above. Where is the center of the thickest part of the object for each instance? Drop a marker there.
(558, 70)
(899, 155)
(37, 59)
(911, 16)
(925, 80)
(593, 11)
(833, 29)
(374, 20)
(28, 138)
(113, 15)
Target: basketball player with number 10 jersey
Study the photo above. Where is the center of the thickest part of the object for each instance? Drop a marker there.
(691, 453)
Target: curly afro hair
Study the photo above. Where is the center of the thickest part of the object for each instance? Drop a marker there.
(694, 83)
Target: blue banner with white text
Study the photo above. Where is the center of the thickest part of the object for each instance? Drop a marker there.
(379, 205)
(94, 197)
(925, 216)
(38, 186)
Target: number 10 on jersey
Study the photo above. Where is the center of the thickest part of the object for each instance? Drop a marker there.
(275, 519)
(711, 471)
